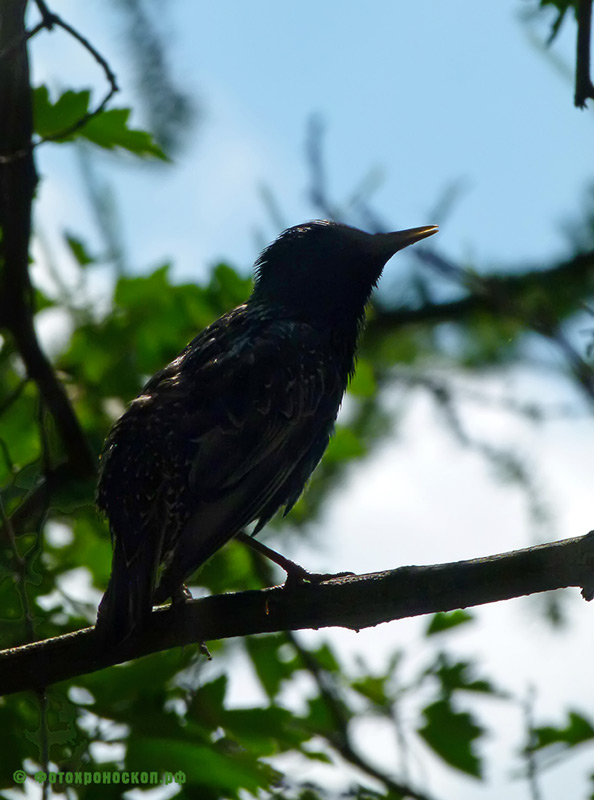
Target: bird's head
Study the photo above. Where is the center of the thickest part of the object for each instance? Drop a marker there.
(325, 272)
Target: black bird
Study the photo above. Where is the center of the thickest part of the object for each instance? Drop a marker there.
(232, 428)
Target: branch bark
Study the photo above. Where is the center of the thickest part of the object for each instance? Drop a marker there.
(352, 602)
(584, 90)
(18, 180)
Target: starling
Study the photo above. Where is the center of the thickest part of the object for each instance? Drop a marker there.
(232, 428)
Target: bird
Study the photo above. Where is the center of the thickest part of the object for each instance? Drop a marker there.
(231, 429)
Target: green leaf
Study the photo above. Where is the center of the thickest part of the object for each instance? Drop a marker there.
(228, 286)
(270, 668)
(208, 703)
(457, 676)
(222, 766)
(74, 495)
(344, 446)
(107, 129)
(363, 383)
(28, 476)
(579, 729)
(445, 620)
(326, 658)
(317, 755)
(110, 130)
(137, 690)
(373, 688)
(78, 250)
(50, 119)
(451, 735)
(42, 301)
(265, 731)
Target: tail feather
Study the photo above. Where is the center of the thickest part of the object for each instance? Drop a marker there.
(128, 600)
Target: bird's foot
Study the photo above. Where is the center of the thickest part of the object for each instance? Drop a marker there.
(204, 651)
(296, 574)
(180, 596)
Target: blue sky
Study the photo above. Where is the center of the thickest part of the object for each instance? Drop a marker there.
(423, 94)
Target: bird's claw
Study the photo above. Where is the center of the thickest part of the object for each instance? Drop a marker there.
(298, 576)
(180, 596)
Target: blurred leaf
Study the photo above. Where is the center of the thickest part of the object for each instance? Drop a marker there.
(28, 476)
(562, 7)
(74, 495)
(446, 620)
(363, 383)
(578, 730)
(228, 287)
(208, 702)
(78, 250)
(317, 755)
(136, 692)
(451, 735)
(270, 668)
(344, 445)
(41, 301)
(457, 675)
(222, 766)
(265, 731)
(374, 689)
(326, 658)
(90, 547)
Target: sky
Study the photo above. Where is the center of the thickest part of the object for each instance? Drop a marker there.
(421, 96)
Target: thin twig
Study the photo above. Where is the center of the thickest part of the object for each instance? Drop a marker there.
(44, 739)
(313, 148)
(48, 20)
(340, 738)
(529, 752)
(20, 574)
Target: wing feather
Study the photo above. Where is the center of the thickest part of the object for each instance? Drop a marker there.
(232, 427)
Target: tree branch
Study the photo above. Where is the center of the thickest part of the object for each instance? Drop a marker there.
(352, 602)
(524, 298)
(501, 293)
(584, 89)
(17, 185)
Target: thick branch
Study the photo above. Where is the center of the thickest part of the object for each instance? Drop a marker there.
(17, 185)
(352, 602)
(584, 89)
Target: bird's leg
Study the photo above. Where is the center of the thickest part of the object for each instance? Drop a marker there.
(295, 573)
(180, 595)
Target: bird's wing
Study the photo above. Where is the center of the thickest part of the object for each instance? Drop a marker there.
(252, 422)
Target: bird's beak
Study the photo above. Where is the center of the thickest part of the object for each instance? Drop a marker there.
(390, 243)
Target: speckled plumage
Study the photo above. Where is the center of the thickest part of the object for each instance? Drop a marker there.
(231, 429)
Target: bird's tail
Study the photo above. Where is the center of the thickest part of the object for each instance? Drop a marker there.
(128, 600)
